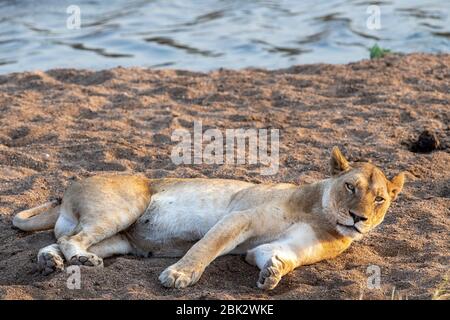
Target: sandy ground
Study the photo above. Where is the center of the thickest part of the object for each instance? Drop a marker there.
(63, 123)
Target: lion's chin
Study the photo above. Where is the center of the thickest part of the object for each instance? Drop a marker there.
(349, 231)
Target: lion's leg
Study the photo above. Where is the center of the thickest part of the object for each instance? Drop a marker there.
(116, 245)
(95, 224)
(75, 248)
(50, 259)
(274, 260)
(298, 246)
(228, 233)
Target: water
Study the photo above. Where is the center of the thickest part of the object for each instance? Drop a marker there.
(205, 35)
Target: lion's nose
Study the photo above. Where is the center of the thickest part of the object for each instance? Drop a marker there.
(356, 218)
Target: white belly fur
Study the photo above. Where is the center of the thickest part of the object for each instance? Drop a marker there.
(66, 223)
(183, 213)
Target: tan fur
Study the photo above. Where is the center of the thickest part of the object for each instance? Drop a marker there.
(279, 226)
(39, 218)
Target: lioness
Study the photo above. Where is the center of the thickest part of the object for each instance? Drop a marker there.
(278, 226)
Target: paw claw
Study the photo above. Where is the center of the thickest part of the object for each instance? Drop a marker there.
(268, 282)
(270, 275)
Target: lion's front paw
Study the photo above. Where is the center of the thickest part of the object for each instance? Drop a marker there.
(270, 275)
(267, 281)
(173, 277)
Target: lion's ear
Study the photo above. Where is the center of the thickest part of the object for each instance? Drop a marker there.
(338, 163)
(396, 185)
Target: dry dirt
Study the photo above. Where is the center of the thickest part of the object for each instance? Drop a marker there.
(63, 123)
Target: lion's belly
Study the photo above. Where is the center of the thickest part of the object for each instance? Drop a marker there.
(179, 216)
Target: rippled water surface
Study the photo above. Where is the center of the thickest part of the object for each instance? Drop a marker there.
(205, 35)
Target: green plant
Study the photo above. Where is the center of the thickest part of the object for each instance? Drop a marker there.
(378, 52)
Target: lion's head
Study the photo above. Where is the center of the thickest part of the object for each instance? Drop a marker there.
(358, 196)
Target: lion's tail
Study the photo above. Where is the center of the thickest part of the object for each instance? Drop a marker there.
(38, 218)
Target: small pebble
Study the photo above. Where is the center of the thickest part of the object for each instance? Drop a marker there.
(425, 143)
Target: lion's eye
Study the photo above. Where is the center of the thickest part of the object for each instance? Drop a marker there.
(379, 199)
(350, 187)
